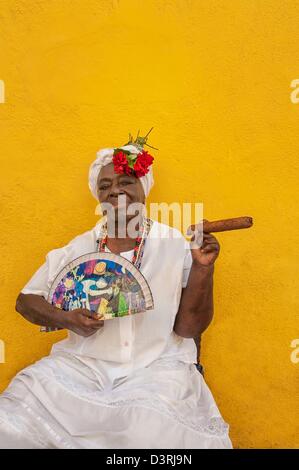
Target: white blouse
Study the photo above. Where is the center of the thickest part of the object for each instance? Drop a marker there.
(134, 341)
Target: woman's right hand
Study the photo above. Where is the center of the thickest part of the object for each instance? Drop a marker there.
(82, 322)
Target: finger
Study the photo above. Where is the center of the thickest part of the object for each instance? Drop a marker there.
(203, 238)
(196, 227)
(92, 322)
(210, 242)
(213, 244)
(210, 248)
(209, 236)
(87, 313)
(92, 315)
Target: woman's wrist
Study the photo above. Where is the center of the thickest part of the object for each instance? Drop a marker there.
(205, 269)
(59, 317)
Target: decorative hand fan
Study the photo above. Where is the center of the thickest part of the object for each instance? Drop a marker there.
(104, 283)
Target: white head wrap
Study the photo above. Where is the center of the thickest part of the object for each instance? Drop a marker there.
(104, 157)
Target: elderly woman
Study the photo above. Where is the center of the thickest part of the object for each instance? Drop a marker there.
(129, 382)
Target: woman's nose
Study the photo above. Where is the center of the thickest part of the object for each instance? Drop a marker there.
(116, 190)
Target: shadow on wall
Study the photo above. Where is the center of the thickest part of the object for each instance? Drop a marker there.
(2, 92)
(2, 351)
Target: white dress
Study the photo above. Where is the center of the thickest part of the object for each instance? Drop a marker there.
(133, 384)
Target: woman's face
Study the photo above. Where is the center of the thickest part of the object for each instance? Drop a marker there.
(110, 185)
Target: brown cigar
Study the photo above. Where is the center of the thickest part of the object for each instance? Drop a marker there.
(226, 224)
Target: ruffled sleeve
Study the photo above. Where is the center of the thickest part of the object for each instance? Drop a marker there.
(41, 281)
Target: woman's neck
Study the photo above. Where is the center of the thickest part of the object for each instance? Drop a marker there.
(118, 244)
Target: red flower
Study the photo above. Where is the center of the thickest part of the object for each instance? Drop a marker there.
(120, 163)
(141, 166)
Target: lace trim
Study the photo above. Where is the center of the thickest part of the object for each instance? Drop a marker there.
(61, 442)
(18, 424)
(211, 426)
(38, 435)
(214, 426)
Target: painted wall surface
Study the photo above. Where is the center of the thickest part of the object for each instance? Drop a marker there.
(214, 79)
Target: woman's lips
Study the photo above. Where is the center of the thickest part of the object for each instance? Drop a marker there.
(119, 203)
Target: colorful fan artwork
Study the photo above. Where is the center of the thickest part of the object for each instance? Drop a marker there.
(107, 284)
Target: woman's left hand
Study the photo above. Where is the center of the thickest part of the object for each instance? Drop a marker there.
(207, 253)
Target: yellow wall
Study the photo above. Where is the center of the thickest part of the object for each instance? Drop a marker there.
(214, 79)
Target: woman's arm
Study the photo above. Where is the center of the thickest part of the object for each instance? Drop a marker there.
(196, 306)
(37, 310)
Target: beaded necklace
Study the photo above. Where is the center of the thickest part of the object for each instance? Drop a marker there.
(139, 241)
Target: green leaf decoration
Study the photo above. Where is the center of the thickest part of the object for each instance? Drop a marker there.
(131, 160)
(127, 152)
(140, 142)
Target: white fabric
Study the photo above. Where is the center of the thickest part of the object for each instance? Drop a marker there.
(134, 382)
(104, 157)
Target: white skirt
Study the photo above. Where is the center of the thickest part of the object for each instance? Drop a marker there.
(62, 402)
